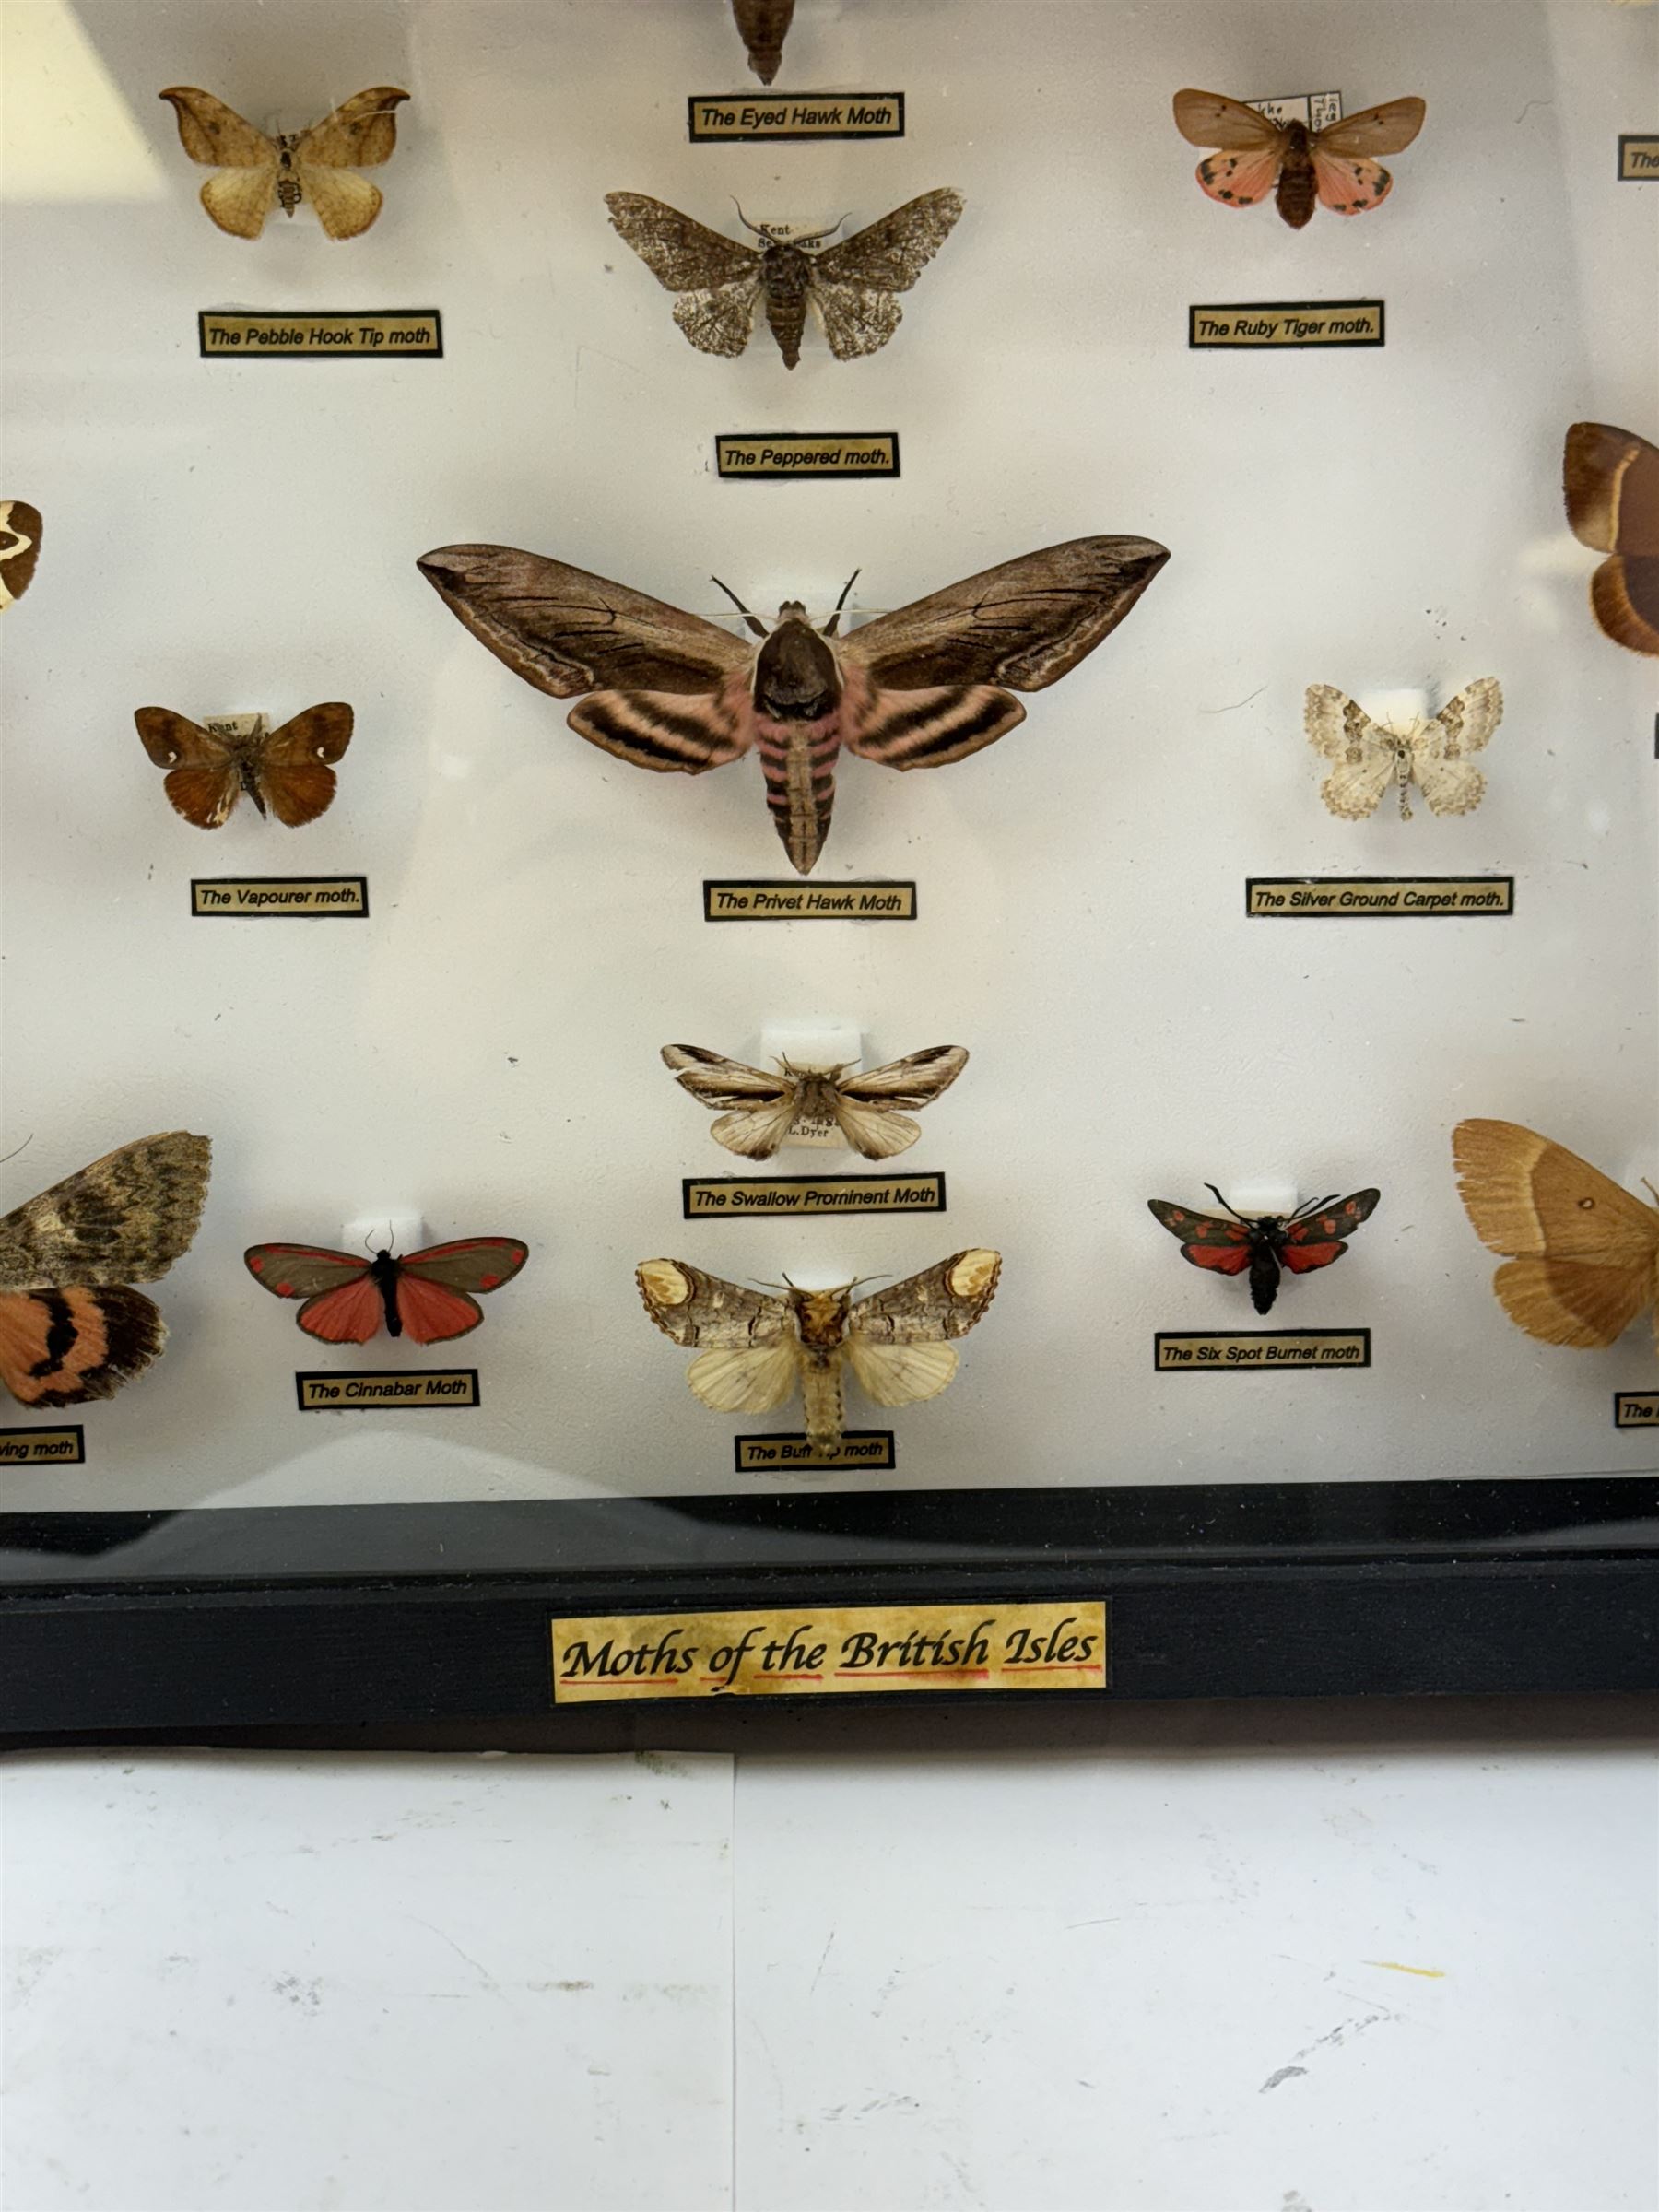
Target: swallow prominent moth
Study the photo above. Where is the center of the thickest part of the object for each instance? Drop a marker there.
(318, 166)
(757, 1110)
(918, 687)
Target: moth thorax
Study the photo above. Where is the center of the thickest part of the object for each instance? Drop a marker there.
(797, 678)
(820, 1316)
(288, 184)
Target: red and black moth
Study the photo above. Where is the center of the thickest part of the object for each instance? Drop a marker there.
(427, 1295)
(1314, 1237)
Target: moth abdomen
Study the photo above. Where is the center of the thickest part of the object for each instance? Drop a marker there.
(1298, 186)
(797, 759)
(787, 276)
(1264, 1276)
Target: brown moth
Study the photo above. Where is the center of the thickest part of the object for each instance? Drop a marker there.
(317, 166)
(914, 688)
(19, 548)
(1368, 755)
(71, 1325)
(1610, 481)
(288, 771)
(764, 26)
(760, 1110)
(850, 287)
(756, 1349)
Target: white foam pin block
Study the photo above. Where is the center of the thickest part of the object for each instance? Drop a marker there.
(1255, 1200)
(1397, 711)
(813, 1041)
(397, 1233)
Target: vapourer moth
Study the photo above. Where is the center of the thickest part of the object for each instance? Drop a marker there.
(288, 771)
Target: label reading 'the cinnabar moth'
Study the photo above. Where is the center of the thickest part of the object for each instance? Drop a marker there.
(392, 1389)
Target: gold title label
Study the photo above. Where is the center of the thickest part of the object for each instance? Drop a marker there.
(1636, 1409)
(773, 1454)
(725, 1197)
(718, 120)
(778, 901)
(1639, 157)
(396, 1388)
(801, 1652)
(1288, 322)
(248, 897)
(1257, 1351)
(1377, 898)
(374, 336)
(808, 454)
(43, 1447)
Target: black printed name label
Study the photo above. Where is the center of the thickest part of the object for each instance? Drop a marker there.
(783, 1454)
(1259, 1351)
(415, 333)
(1639, 157)
(725, 1197)
(715, 120)
(1288, 322)
(778, 453)
(398, 1387)
(1636, 1409)
(304, 897)
(43, 1447)
(778, 901)
(1376, 898)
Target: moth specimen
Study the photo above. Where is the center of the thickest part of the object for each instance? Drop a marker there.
(850, 287)
(764, 26)
(914, 688)
(19, 548)
(427, 1296)
(288, 771)
(1315, 1236)
(1610, 479)
(318, 166)
(1582, 1254)
(1256, 156)
(760, 1110)
(756, 1349)
(1368, 755)
(71, 1325)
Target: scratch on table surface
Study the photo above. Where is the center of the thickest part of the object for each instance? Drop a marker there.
(1237, 703)
(1429, 1973)
(822, 1956)
(1284, 2073)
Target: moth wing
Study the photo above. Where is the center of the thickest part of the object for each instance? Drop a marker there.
(240, 199)
(215, 134)
(925, 728)
(858, 319)
(1218, 1259)
(1023, 623)
(1347, 186)
(683, 255)
(874, 1130)
(430, 1311)
(756, 1130)
(1331, 1223)
(567, 631)
(756, 1379)
(913, 1081)
(476, 1264)
(19, 547)
(1531, 1199)
(295, 764)
(1566, 1302)
(1387, 129)
(764, 25)
(1610, 483)
(719, 318)
(1211, 119)
(67, 1347)
(344, 202)
(940, 1303)
(1624, 592)
(888, 255)
(125, 1219)
(1240, 179)
(360, 133)
(714, 1080)
(1465, 725)
(201, 784)
(348, 1314)
(1364, 760)
(668, 732)
(695, 1307)
(304, 1270)
(1202, 1231)
(901, 1374)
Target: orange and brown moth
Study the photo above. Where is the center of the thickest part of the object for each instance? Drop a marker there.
(19, 548)
(1333, 168)
(1610, 481)
(918, 687)
(764, 26)
(71, 1325)
(317, 166)
(287, 772)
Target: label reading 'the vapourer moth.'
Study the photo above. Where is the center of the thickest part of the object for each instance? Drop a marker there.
(395, 1388)
(716, 120)
(779, 901)
(801, 1652)
(1636, 1409)
(1376, 898)
(1257, 1351)
(780, 453)
(1288, 322)
(414, 333)
(791, 1454)
(64, 1447)
(1639, 157)
(256, 898)
(725, 1197)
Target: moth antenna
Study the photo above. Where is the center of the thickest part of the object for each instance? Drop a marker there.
(833, 624)
(1233, 1210)
(29, 1140)
(1317, 1206)
(759, 228)
(754, 621)
(1646, 1184)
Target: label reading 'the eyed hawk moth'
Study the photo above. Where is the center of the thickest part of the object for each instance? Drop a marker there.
(714, 119)
(725, 1197)
(1258, 1352)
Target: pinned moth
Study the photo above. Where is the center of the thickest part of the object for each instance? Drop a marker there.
(1582, 1253)
(756, 1350)
(1265, 1244)
(72, 1328)
(19, 548)
(914, 688)
(1610, 483)
(428, 1295)
(317, 166)
(758, 1111)
(1368, 755)
(763, 25)
(1332, 168)
(288, 771)
(850, 287)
